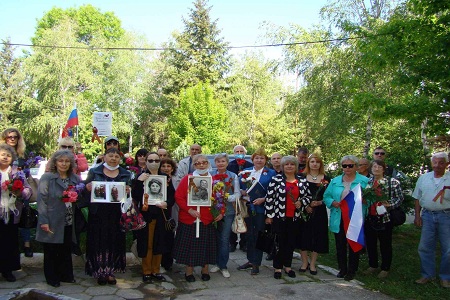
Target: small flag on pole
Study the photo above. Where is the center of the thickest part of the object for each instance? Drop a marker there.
(352, 215)
(71, 122)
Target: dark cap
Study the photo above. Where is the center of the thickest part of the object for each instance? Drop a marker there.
(111, 138)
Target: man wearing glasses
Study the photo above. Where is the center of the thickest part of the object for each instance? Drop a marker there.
(185, 165)
(380, 153)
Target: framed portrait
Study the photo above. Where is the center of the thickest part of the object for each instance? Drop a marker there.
(156, 188)
(108, 192)
(199, 190)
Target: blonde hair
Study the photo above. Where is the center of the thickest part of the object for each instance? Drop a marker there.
(20, 147)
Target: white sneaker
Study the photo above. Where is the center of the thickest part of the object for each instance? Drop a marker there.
(214, 269)
(225, 273)
(296, 255)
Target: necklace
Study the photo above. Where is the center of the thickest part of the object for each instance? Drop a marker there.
(313, 177)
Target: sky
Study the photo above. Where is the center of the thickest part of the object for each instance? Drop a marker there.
(239, 20)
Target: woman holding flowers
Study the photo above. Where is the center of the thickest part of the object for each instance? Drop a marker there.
(283, 203)
(255, 220)
(336, 191)
(188, 249)
(153, 240)
(314, 229)
(14, 190)
(382, 195)
(226, 191)
(58, 192)
(105, 242)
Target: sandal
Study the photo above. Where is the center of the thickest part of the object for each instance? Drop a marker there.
(205, 277)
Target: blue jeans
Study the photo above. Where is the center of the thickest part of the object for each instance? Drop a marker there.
(255, 223)
(435, 225)
(223, 251)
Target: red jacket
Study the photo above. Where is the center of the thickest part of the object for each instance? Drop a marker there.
(181, 198)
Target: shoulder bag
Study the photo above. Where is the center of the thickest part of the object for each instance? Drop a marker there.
(238, 225)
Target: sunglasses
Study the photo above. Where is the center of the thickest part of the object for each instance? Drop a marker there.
(112, 143)
(344, 166)
(201, 163)
(12, 137)
(379, 153)
(153, 160)
(66, 147)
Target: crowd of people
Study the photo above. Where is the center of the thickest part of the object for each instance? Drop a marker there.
(291, 196)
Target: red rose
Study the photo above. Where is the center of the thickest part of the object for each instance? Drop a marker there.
(17, 185)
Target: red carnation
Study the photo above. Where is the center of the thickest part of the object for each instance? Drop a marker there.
(17, 185)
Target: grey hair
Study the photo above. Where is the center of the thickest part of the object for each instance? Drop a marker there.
(289, 159)
(245, 150)
(443, 155)
(57, 155)
(221, 155)
(350, 157)
(198, 156)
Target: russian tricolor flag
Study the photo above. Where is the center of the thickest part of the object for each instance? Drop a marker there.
(71, 122)
(353, 217)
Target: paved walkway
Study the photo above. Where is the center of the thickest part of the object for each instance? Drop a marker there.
(241, 285)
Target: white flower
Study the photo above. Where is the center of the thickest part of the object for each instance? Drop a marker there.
(382, 181)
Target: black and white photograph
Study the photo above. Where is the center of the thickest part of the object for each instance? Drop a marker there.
(108, 192)
(200, 190)
(156, 187)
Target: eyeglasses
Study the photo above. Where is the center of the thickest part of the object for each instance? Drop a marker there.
(379, 153)
(112, 143)
(201, 163)
(66, 147)
(344, 166)
(12, 137)
(153, 160)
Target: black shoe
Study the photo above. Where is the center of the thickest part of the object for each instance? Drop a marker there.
(112, 281)
(189, 278)
(313, 272)
(232, 248)
(147, 278)
(349, 276)
(277, 275)
(28, 252)
(269, 257)
(206, 277)
(341, 274)
(54, 284)
(102, 281)
(69, 281)
(290, 273)
(9, 276)
(158, 277)
(304, 270)
(255, 270)
(245, 266)
(76, 250)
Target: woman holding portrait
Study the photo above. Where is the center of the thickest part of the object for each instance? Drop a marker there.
(11, 204)
(255, 220)
(188, 249)
(378, 226)
(56, 225)
(282, 204)
(152, 240)
(336, 191)
(314, 229)
(105, 242)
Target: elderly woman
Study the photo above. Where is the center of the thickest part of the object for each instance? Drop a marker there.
(283, 212)
(13, 137)
(152, 240)
(256, 218)
(336, 191)
(314, 233)
(231, 182)
(56, 226)
(11, 204)
(378, 225)
(105, 242)
(188, 249)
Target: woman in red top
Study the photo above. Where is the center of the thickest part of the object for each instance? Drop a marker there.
(283, 212)
(188, 249)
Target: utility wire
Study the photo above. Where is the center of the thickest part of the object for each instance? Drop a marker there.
(205, 48)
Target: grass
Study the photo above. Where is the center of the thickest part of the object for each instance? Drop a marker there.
(404, 271)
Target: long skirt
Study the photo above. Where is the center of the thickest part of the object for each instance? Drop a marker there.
(191, 251)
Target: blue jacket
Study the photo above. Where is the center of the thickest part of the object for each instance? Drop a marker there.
(265, 178)
(334, 192)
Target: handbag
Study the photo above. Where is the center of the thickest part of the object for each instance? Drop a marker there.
(238, 225)
(33, 183)
(376, 222)
(267, 241)
(169, 224)
(397, 216)
(29, 217)
(131, 218)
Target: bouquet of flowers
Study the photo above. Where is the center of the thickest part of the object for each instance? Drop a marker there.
(70, 195)
(13, 188)
(129, 165)
(219, 195)
(375, 192)
(241, 163)
(246, 179)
